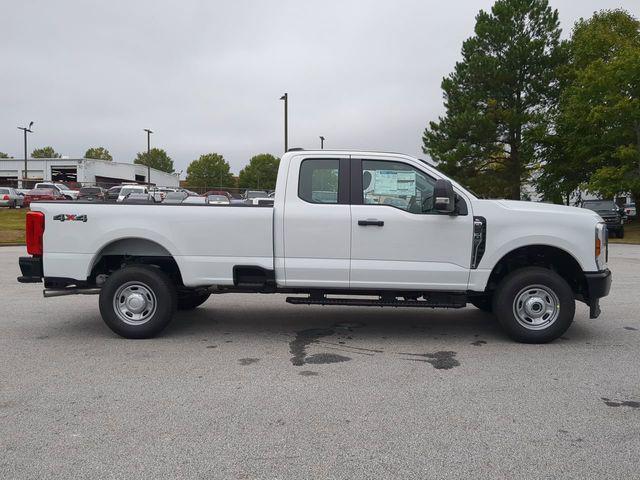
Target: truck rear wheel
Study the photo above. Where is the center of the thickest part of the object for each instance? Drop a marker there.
(534, 305)
(191, 300)
(138, 301)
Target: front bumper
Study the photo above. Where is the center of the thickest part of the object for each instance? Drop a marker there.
(31, 268)
(598, 286)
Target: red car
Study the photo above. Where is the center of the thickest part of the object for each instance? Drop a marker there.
(42, 194)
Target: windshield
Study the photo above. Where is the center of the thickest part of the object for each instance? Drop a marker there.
(600, 205)
(256, 194)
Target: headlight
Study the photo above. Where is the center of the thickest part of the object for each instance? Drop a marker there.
(601, 249)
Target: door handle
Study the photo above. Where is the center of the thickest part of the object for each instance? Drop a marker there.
(372, 222)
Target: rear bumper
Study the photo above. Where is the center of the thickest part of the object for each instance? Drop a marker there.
(31, 268)
(598, 286)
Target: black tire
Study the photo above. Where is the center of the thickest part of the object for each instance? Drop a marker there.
(621, 233)
(192, 300)
(483, 302)
(528, 280)
(153, 285)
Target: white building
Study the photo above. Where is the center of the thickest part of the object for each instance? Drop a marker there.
(84, 171)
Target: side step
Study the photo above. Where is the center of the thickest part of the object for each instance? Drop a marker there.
(435, 301)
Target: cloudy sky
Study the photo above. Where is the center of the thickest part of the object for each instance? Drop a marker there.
(206, 76)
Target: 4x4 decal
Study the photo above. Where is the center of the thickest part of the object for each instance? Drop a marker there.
(65, 217)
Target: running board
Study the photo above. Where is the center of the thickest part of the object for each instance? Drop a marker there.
(437, 301)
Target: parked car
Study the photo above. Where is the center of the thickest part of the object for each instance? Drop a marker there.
(127, 189)
(92, 194)
(218, 200)
(136, 197)
(113, 193)
(219, 192)
(175, 197)
(64, 189)
(10, 198)
(527, 263)
(193, 200)
(630, 210)
(50, 194)
(611, 213)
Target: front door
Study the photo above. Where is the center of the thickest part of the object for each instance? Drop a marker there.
(398, 241)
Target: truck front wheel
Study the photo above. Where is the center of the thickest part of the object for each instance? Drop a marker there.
(534, 305)
(138, 301)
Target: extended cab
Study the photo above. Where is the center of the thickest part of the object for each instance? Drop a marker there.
(346, 228)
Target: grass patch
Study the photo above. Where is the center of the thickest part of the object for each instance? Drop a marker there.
(12, 225)
(631, 234)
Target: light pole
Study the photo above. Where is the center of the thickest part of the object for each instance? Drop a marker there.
(25, 130)
(321, 142)
(149, 132)
(285, 97)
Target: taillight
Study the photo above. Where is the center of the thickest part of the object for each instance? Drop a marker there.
(6, 197)
(35, 231)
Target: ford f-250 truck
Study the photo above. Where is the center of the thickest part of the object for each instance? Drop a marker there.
(346, 228)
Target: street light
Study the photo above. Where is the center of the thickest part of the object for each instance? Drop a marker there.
(321, 142)
(149, 132)
(25, 130)
(285, 97)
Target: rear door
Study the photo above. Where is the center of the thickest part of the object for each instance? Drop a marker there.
(317, 222)
(397, 239)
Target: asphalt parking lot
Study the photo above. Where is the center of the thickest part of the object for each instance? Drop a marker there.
(248, 386)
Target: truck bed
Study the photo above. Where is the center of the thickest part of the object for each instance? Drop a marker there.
(206, 241)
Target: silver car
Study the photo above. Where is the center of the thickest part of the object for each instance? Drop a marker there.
(9, 197)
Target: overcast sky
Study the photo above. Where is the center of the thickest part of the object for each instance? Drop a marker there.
(207, 76)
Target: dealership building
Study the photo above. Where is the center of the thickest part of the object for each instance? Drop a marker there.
(82, 171)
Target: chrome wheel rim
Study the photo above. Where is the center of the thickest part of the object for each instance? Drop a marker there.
(134, 303)
(536, 307)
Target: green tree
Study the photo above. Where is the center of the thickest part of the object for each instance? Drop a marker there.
(98, 153)
(4, 155)
(45, 152)
(261, 173)
(210, 170)
(498, 97)
(156, 158)
(599, 113)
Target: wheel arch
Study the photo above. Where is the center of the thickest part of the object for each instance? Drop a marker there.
(541, 255)
(130, 251)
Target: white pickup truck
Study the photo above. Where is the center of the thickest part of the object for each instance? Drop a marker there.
(346, 228)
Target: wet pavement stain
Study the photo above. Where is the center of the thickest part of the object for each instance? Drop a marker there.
(248, 361)
(478, 343)
(349, 325)
(443, 360)
(620, 403)
(324, 358)
(630, 328)
(298, 346)
(308, 373)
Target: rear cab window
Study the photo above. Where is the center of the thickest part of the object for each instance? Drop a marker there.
(319, 180)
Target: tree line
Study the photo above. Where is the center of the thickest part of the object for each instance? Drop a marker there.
(209, 170)
(525, 108)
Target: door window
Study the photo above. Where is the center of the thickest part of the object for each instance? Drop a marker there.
(398, 185)
(319, 180)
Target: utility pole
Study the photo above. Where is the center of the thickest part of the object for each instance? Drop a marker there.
(321, 142)
(26, 130)
(149, 132)
(285, 97)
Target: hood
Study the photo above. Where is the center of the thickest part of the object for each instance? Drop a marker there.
(545, 207)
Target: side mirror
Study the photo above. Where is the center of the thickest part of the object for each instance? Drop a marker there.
(445, 198)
